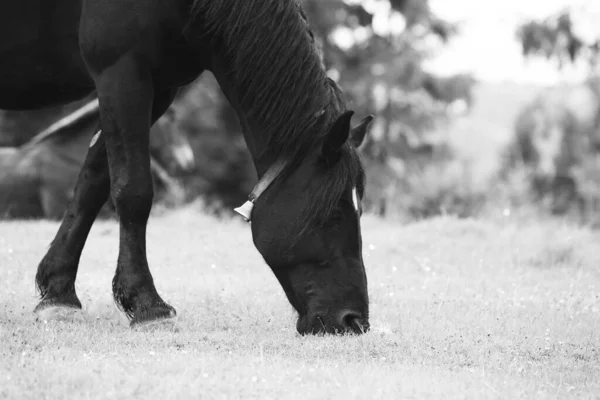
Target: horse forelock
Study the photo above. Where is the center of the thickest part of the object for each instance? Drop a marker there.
(344, 176)
(282, 87)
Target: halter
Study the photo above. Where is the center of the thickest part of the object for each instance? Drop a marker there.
(245, 210)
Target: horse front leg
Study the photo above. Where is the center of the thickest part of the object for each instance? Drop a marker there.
(56, 273)
(126, 93)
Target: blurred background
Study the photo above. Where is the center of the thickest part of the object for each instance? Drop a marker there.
(483, 109)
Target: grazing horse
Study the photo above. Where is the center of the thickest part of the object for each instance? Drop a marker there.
(37, 179)
(305, 208)
(452, 90)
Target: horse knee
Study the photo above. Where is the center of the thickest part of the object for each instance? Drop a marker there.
(133, 199)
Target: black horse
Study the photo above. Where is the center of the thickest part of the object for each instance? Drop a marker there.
(306, 216)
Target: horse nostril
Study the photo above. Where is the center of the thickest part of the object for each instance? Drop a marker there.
(353, 320)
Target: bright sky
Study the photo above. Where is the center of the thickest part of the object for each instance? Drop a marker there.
(486, 45)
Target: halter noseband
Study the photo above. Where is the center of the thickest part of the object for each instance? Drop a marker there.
(245, 210)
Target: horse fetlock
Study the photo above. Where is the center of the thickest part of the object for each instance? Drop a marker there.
(155, 311)
(51, 283)
(143, 306)
(135, 293)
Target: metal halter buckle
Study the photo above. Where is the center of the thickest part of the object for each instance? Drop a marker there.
(245, 210)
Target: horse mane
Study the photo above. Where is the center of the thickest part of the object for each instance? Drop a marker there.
(281, 85)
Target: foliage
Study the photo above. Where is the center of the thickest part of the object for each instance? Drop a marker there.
(382, 74)
(556, 38)
(573, 114)
(550, 164)
(433, 182)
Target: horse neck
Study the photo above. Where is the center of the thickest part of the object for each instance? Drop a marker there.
(256, 137)
(270, 71)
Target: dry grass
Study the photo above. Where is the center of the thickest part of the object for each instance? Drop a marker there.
(460, 309)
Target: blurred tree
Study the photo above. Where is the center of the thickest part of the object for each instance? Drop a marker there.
(381, 71)
(566, 114)
(556, 38)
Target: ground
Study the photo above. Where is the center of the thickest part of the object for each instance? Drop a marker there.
(459, 309)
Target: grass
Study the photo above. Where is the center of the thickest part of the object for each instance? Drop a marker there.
(460, 309)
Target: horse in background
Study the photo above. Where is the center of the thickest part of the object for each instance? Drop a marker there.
(455, 91)
(37, 178)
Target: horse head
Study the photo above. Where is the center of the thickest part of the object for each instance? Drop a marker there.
(307, 229)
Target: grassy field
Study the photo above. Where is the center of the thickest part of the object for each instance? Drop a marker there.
(460, 309)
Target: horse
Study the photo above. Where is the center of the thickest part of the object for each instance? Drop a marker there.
(455, 91)
(305, 208)
(37, 179)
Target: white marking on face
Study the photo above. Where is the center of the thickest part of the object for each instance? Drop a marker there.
(355, 199)
(95, 138)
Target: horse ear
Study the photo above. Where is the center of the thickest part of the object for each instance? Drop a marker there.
(337, 135)
(358, 133)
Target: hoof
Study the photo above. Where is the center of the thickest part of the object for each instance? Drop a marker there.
(155, 317)
(58, 309)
